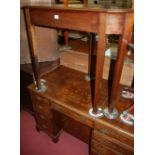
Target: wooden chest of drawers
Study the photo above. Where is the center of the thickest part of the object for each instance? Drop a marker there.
(46, 118)
(65, 106)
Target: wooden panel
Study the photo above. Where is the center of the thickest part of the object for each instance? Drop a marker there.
(46, 43)
(112, 143)
(99, 149)
(114, 23)
(40, 104)
(65, 19)
(47, 119)
(40, 99)
(69, 93)
(79, 61)
(44, 119)
(77, 129)
(72, 113)
(116, 135)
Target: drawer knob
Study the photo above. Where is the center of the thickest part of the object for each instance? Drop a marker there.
(56, 16)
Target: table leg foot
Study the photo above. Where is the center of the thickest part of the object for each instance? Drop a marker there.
(110, 115)
(96, 115)
(43, 86)
(65, 48)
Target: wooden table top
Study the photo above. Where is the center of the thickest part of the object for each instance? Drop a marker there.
(71, 94)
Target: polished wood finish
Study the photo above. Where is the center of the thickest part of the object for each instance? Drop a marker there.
(68, 93)
(91, 51)
(103, 144)
(77, 129)
(73, 101)
(26, 79)
(72, 94)
(45, 118)
(114, 23)
(33, 47)
(101, 46)
(67, 19)
(124, 39)
(79, 61)
(66, 33)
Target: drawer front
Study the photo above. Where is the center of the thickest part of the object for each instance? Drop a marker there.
(68, 19)
(43, 117)
(100, 149)
(40, 104)
(40, 100)
(41, 109)
(115, 134)
(72, 114)
(44, 122)
(100, 141)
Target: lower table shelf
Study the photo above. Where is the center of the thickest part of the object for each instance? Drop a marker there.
(68, 98)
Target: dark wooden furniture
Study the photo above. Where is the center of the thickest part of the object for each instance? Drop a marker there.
(67, 92)
(26, 78)
(70, 96)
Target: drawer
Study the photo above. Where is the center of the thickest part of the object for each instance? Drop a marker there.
(41, 108)
(43, 117)
(43, 121)
(40, 104)
(67, 19)
(74, 115)
(99, 149)
(108, 142)
(115, 134)
(39, 99)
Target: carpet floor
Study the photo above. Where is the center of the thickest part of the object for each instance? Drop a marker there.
(38, 143)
